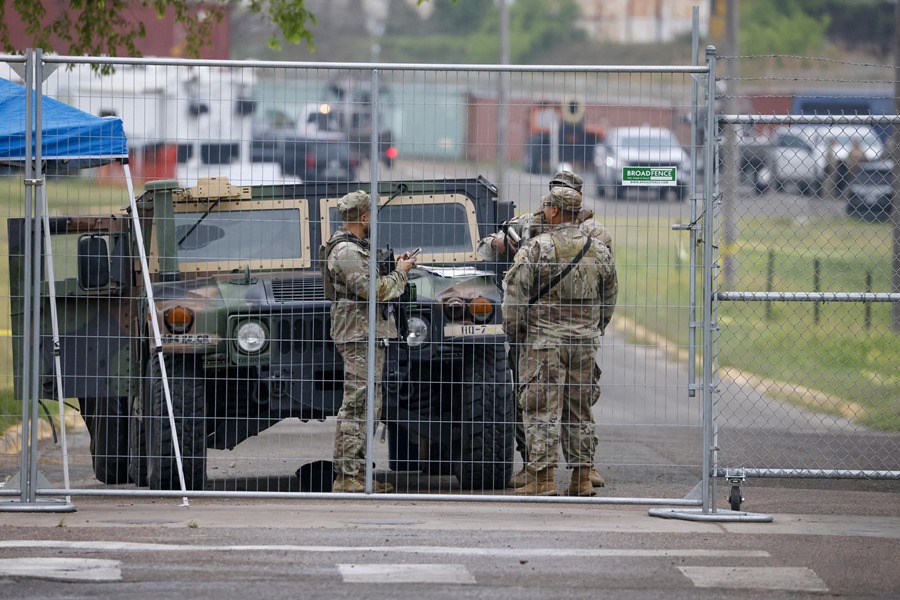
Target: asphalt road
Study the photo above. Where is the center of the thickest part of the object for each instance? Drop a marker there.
(218, 549)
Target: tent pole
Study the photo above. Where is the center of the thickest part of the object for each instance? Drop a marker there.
(54, 323)
(154, 321)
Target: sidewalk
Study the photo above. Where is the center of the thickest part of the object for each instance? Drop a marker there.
(828, 508)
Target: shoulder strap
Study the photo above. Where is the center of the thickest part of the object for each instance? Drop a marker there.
(559, 276)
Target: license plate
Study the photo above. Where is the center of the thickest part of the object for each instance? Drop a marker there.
(467, 330)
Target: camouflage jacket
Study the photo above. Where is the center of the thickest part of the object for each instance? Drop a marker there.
(529, 225)
(579, 306)
(348, 267)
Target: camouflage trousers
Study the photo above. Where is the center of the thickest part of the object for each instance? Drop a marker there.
(558, 386)
(350, 435)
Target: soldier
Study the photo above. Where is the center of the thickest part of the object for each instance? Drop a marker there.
(347, 257)
(559, 296)
(502, 245)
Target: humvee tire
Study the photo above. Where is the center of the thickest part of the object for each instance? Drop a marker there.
(107, 422)
(187, 388)
(486, 431)
(137, 443)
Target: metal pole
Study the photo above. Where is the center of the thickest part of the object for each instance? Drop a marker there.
(51, 303)
(729, 179)
(31, 346)
(36, 283)
(373, 300)
(26, 494)
(502, 97)
(708, 276)
(692, 194)
(895, 213)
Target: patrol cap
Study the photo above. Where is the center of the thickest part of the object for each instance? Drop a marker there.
(567, 179)
(353, 205)
(565, 199)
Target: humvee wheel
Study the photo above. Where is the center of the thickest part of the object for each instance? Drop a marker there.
(107, 423)
(137, 443)
(484, 456)
(187, 388)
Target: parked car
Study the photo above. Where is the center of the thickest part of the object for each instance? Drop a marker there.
(790, 159)
(804, 156)
(870, 191)
(638, 147)
(351, 103)
(311, 148)
(835, 148)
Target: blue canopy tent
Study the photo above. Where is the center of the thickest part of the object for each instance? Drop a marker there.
(68, 135)
(69, 139)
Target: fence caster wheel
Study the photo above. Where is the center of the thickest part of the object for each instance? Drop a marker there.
(735, 498)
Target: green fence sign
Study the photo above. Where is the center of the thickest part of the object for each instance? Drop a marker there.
(662, 176)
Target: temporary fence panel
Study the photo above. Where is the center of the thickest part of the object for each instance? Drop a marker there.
(239, 168)
(809, 289)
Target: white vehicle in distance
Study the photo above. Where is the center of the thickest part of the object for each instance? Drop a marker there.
(804, 155)
(840, 140)
(639, 147)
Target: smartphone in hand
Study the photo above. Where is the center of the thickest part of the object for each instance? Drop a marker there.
(415, 252)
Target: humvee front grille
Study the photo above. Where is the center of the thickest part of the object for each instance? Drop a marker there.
(298, 290)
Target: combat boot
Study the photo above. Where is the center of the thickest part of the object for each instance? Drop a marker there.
(596, 478)
(539, 484)
(581, 483)
(354, 484)
(519, 479)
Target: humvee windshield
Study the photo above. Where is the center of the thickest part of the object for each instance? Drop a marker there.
(238, 235)
(437, 228)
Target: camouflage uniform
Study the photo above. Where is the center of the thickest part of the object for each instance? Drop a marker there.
(561, 333)
(532, 224)
(348, 268)
(526, 227)
(529, 225)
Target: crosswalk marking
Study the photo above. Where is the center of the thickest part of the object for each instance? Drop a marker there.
(408, 573)
(65, 569)
(795, 579)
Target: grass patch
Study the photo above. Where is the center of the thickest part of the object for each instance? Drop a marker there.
(10, 409)
(841, 352)
(65, 195)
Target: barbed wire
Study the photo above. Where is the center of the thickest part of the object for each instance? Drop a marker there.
(817, 58)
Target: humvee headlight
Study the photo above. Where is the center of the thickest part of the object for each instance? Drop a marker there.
(251, 337)
(481, 309)
(455, 309)
(178, 319)
(418, 332)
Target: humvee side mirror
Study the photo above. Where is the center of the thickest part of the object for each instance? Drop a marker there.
(93, 262)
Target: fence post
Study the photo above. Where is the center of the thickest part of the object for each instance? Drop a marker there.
(770, 277)
(816, 289)
(868, 307)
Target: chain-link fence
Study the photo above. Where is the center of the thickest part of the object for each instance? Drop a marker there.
(192, 335)
(178, 303)
(810, 280)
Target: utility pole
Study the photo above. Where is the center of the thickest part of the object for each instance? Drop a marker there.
(502, 94)
(895, 154)
(729, 175)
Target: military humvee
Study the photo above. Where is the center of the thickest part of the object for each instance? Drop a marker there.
(244, 327)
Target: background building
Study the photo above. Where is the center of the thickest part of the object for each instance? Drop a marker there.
(641, 21)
